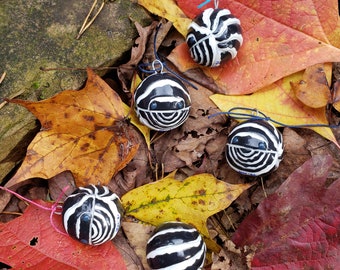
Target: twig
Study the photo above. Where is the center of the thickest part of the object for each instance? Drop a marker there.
(2, 77)
(11, 97)
(264, 190)
(87, 23)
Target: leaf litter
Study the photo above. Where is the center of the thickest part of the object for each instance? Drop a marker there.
(195, 148)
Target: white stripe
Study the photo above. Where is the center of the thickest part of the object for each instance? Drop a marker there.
(174, 248)
(156, 84)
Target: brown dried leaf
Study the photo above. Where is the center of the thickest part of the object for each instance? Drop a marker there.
(126, 71)
(138, 235)
(336, 95)
(194, 140)
(313, 89)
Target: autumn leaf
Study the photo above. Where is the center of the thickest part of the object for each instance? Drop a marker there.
(82, 131)
(30, 242)
(191, 201)
(279, 40)
(169, 10)
(313, 89)
(298, 226)
(138, 235)
(136, 80)
(336, 96)
(278, 101)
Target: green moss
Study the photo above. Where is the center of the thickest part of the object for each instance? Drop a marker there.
(35, 85)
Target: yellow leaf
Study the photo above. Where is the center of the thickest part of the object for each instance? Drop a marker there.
(278, 101)
(132, 114)
(169, 10)
(191, 201)
(336, 95)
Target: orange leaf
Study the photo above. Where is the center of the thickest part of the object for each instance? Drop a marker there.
(313, 89)
(278, 101)
(82, 131)
(30, 242)
(280, 38)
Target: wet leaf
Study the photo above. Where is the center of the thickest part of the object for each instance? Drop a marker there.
(30, 242)
(298, 226)
(313, 89)
(82, 131)
(192, 200)
(279, 40)
(278, 101)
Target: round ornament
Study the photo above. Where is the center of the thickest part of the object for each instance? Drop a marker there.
(214, 36)
(174, 246)
(162, 102)
(254, 148)
(92, 214)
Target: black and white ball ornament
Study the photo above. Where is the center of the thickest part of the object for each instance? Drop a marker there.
(254, 148)
(214, 36)
(92, 214)
(174, 246)
(162, 102)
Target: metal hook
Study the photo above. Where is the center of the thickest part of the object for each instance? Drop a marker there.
(157, 61)
(255, 112)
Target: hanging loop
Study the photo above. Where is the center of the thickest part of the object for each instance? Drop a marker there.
(158, 62)
(157, 66)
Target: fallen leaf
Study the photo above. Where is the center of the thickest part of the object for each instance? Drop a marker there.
(313, 89)
(138, 236)
(278, 101)
(191, 201)
(137, 173)
(132, 114)
(30, 242)
(336, 96)
(126, 70)
(298, 226)
(294, 143)
(198, 137)
(123, 245)
(82, 131)
(169, 10)
(279, 39)
(61, 186)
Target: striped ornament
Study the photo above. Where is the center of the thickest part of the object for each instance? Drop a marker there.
(175, 246)
(254, 148)
(92, 214)
(162, 102)
(214, 36)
